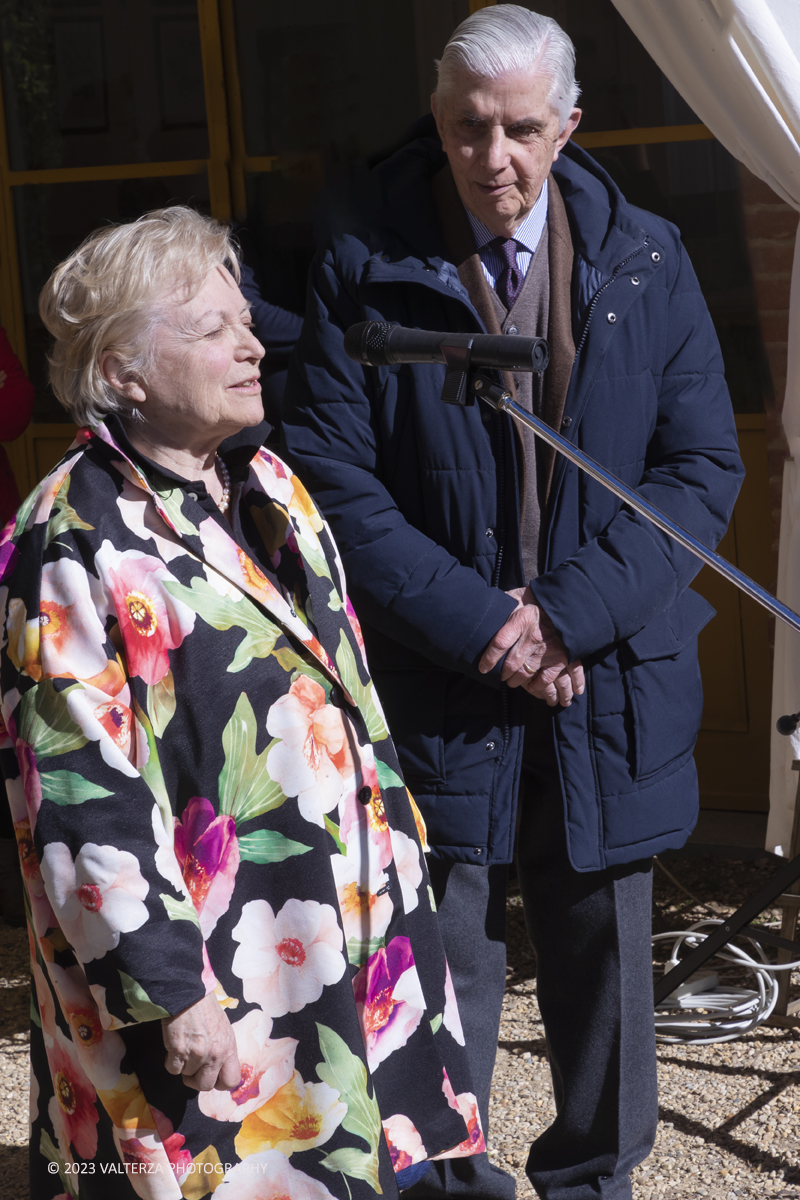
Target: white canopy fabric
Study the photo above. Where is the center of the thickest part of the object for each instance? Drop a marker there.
(737, 64)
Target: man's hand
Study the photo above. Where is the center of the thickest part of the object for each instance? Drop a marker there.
(201, 1047)
(536, 658)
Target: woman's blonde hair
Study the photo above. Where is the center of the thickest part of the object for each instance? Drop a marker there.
(107, 294)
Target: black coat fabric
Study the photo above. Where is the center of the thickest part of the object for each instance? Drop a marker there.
(422, 500)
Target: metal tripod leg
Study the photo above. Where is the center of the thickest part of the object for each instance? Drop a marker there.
(785, 1011)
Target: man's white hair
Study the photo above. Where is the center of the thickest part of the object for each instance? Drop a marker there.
(506, 37)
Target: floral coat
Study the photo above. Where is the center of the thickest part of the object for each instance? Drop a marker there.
(206, 799)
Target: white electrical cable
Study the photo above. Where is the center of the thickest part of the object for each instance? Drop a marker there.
(730, 1011)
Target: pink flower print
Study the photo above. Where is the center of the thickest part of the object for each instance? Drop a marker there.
(221, 550)
(41, 911)
(100, 1051)
(269, 1176)
(73, 1103)
(97, 897)
(315, 751)
(108, 720)
(286, 960)
(266, 1066)
(404, 1142)
(207, 849)
(154, 1162)
(365, 912)
(72, 637)
(389, 1000)
(452, 1017)
(31, 782)
(408, 866)
(355, 625)
(366, 824)
(151, 621)
(466, 1104)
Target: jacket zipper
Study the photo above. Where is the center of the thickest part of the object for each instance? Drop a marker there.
(602, 288)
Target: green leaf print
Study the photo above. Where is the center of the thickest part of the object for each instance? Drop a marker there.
(245, 788)
(387, 777)
(358, 952)
(333, 830)
(345, 1072)
(180, 910)
(63, 516)
(290, 660)
(140, 1006)
(223, 612)
(173, 501)
(161, 703)
(68, 787)
(362, 695)
(312, 555)
(46, 723)
(436, 1022)
(151, 771)
(48, 1148)
(268, 846)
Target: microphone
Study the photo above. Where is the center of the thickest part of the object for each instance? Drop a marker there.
(380, 344)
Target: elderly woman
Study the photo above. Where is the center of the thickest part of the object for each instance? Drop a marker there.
(239, 985)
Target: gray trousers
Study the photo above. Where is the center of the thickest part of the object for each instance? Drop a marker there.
(591, 934)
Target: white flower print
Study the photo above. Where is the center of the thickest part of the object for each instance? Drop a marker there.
(97, 897)
(286, 960)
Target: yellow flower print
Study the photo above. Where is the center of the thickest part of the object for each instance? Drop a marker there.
(298, 1117)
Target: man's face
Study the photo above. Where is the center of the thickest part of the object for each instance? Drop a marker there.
(501, 137)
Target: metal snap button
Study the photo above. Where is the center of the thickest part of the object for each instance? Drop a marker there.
(655, 256)
(635, 280)
(611, 318)
(490, 533)
(477, 850)
(490, 746)
(565, 424)
(512, 329)
(365, 794)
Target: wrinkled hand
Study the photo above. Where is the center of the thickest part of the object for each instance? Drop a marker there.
(201, 1047)
(536, 658)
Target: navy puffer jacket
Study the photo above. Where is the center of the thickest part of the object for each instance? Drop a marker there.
(422, 500)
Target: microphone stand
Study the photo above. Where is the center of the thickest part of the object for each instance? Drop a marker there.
(484, 387)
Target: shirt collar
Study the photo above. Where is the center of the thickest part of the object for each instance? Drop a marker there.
(237, 451)
(528, 234)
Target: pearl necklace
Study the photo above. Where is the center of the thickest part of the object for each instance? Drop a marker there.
(225, 499)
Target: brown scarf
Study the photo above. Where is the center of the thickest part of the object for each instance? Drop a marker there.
(465, 258)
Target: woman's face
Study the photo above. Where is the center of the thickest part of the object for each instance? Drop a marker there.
(204, 381)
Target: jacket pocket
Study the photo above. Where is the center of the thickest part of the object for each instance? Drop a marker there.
(414, 703)
(661, 676)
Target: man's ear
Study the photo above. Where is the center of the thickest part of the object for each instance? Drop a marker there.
(573, 121)
(118, 375)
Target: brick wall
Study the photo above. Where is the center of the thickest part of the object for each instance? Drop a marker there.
(770, 226)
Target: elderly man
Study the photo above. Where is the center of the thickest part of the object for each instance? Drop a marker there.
(491, 574)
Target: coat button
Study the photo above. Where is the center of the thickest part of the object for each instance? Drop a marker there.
(490, 532)
(611, 318)
(635, 280)
(565, 424)
(478, 850)
(512, 329)
(655, 256)
(490, 746)
(365, 794)
(192, 495)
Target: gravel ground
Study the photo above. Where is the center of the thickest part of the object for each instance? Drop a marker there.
(729, 1113)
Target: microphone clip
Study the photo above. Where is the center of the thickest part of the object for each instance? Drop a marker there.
(456, 351)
